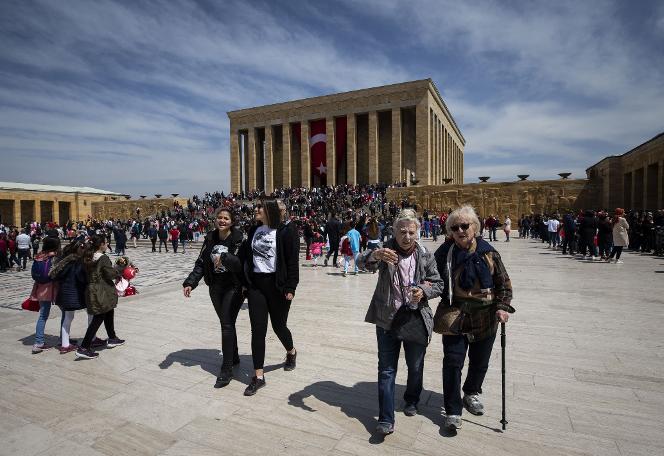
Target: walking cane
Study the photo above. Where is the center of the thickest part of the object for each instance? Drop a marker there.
(502, 346)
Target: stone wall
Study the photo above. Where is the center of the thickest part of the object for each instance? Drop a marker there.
(503, 198)
(127, 209)
(18, 207)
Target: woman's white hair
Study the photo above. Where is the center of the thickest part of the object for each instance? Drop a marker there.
(467, 212)
(406, 216)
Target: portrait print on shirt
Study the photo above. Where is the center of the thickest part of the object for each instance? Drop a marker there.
(264, 249)
(215, 255)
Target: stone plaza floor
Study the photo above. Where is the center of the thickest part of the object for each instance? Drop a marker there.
(585, 370)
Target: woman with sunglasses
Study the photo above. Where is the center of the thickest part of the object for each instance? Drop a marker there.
(477, 296)
(270, 258)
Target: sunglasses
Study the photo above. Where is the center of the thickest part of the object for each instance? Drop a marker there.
(463, 226)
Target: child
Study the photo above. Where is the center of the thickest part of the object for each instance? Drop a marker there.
(345, 250)
(101, 296)
(69, 271)
(317, 248)
(44, 290)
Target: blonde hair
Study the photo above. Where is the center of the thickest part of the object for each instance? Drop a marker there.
(466, 212)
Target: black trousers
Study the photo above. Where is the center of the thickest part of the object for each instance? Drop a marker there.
(454, 355)
(334, 249)
(616, 252)
(265, 300)
(227, 302)
(163, 241)
(154, 244)
(107, 319)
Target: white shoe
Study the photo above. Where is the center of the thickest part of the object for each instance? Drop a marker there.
(453, 422)
(619, 262)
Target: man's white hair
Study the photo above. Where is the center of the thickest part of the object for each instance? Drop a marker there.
(467, 212)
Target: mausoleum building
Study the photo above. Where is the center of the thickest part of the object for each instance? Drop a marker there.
(393, 133)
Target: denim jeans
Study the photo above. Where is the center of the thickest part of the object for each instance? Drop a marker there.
(388, 360)
(44, 312)
(454, 354)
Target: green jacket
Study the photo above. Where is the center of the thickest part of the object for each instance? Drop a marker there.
(100, 295)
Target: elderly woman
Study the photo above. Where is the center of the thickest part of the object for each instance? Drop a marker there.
(477, 296)
(407, 280)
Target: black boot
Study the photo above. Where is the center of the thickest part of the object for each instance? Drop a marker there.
(289, 365)
(255, 385)
(225, 377)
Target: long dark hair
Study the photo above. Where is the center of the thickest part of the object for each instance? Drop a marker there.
(96, 240)
(272, 213)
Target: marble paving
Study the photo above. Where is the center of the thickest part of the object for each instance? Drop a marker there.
(585, 371)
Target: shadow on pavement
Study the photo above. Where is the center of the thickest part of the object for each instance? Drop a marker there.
(360, 402)
(210, 361)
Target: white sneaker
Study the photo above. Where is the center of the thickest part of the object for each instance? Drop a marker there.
(453, 422)
(619, 262)
(473, 404)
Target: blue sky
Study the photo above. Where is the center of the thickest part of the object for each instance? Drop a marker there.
(132, 96)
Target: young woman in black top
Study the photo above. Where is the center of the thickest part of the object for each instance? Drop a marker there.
(219, 266)
(270, 259)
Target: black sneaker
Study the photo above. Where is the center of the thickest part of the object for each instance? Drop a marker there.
(289, 365)
(86, 353)
(385, 428)
(410, 410)
(255, 385)
(225, 377)
(114, 342)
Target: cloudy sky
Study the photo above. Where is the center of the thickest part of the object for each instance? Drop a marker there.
(131, 96)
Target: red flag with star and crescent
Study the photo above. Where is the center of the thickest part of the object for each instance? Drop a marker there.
(318, 143)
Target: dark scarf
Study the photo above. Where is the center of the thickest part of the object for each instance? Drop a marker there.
(474, 266)
(402, 252)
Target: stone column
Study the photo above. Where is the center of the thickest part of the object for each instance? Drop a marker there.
(351, 150)
(17, 213)
(423, 151)
(236, 172)
(269, 161)
(330, 151)
(373, 147)
(305, 154)
(251, 159)
(396, 145)
(660, 186)
(36, 212)
(56, 211)
(286, 140)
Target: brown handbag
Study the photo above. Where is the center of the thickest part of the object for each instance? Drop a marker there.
(447, 320)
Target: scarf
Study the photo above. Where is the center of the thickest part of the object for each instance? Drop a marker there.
(402, 252)
(474, 266)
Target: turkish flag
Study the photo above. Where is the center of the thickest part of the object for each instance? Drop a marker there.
(317, 143)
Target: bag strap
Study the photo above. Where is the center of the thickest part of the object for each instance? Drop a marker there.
(449, 273)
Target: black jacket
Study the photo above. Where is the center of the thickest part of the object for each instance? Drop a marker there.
(333, 231)
(287, 262)
(69, 272)
(204, 269)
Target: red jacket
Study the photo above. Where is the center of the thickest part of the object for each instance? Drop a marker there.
(175, 234)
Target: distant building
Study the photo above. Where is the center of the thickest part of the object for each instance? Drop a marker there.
(393, 133)
(633, 180)
(25, 203)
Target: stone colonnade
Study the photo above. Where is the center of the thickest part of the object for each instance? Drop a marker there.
(387, 134)
(20, 207)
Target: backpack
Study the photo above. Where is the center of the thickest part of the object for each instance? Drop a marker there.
(40, 270)
(345, 248)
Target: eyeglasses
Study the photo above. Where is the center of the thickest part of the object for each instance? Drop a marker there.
(463, 226)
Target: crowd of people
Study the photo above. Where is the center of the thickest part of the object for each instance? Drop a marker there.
(250, 249)
(597, 235)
